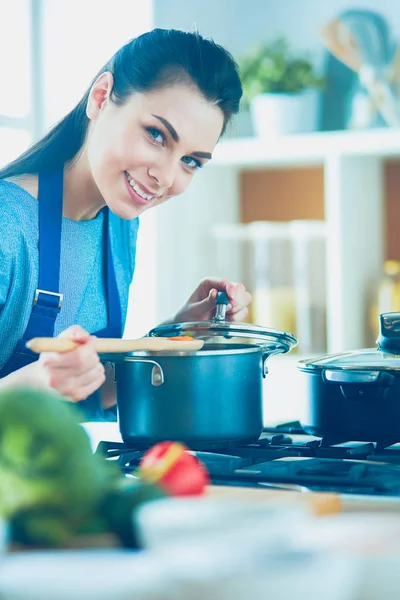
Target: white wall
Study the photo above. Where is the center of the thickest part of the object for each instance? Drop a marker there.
(238, 23)
(79, 37)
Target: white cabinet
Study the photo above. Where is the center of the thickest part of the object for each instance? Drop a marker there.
(352, 164)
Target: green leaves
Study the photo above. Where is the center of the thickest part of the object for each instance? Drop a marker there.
(47, 466)
(273, 68)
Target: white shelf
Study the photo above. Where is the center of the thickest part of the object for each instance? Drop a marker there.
(307, 149)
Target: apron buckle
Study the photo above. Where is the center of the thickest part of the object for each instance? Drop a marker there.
(38, 291)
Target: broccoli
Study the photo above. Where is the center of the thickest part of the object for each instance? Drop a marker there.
(47, 465)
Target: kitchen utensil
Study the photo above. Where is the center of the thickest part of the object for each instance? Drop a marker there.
(43, 344)
(362, 44)
(211, 397)
(371, 36)
(356, 395)
(341, 44)
(340, 80)
(371, 33)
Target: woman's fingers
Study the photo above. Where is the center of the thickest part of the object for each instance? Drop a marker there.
(238, 316)
(80, 386)
(76, 332)
(81, 358)
(75, 374)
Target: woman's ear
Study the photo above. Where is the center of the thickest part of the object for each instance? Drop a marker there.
(99, 95)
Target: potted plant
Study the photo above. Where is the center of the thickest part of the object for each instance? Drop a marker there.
(281, 89)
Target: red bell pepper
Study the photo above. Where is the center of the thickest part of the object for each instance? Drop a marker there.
(172, 466)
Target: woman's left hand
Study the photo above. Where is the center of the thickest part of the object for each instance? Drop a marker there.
(201, 304)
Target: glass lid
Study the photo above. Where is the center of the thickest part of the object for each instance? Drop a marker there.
(386, 356)
(369, 359)
(220, 331)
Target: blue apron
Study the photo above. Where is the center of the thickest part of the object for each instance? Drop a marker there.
(48, 299)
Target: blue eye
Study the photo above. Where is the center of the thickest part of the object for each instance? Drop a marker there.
(191, 162)
(156, 134)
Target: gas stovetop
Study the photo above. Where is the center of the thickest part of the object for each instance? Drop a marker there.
(287, 457)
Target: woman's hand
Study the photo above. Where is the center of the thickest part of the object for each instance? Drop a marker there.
(75, 374)
(201, 304)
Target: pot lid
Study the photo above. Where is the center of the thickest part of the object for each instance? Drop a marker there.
(217, 330)
(385, 357)
(369, 359)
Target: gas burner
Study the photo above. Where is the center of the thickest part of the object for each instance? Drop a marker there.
(288, 456)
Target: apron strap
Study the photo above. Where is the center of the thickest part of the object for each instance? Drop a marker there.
(113, 301)
(47, 301)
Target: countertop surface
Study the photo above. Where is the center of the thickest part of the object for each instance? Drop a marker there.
(124, 574)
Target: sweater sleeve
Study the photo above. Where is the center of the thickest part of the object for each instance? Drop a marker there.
(17, 282)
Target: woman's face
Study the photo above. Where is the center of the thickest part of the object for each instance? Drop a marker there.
(147, 150)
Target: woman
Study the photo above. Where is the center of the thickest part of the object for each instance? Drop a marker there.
(69, 206)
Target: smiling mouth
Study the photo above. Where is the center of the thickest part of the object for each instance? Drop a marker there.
(139, 190)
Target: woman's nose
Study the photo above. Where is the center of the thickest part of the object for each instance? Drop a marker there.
(163, 174)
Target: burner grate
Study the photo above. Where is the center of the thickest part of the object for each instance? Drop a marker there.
(287, 456)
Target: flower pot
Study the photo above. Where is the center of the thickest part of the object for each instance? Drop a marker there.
(277, 114)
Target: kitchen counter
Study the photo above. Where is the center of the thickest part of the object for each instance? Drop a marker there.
(366, 554)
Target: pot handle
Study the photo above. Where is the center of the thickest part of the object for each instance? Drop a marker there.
(157, 374)
(264, 359)
(359, 377)
(268, 352)
(389, 332)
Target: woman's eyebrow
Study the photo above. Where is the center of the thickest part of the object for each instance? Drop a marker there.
(202, 154)
(175, 137)
(168, 125)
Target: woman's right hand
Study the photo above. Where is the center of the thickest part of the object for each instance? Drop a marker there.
(75, 374)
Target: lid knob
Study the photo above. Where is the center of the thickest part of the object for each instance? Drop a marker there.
(389, 332)
(222, 302)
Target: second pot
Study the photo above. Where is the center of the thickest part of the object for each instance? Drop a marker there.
(355, 396)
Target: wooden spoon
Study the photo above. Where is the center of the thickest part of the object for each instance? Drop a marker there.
(113, 345)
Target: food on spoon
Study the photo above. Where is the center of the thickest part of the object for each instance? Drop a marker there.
(181, 338)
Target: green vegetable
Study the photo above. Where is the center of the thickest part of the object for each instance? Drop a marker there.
(53, 489)
(40, 527)
(47, 466)
(119, 504)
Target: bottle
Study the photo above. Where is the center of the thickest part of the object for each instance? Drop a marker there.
(271, 275)
(387, 298)
(309, 277)
(389, 288)
(229, 249)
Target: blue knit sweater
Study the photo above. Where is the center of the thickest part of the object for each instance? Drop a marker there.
(81, 278)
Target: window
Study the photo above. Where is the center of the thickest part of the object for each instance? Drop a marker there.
(79, 38)
(49, 52)
(16, 110)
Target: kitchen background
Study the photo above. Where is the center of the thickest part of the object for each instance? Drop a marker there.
(302, 207)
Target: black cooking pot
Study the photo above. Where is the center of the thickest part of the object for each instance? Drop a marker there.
(207, 398)
(356, 395)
